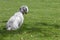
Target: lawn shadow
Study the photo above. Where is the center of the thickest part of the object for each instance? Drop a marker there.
(47, 24)
(25, 27)
(6, 33)
(3, 21)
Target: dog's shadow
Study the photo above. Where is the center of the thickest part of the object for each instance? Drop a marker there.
(24, 28)
(3, 21)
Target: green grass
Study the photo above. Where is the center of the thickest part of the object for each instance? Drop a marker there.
(41, 23)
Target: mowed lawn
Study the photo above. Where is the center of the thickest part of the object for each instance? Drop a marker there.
(41, 23)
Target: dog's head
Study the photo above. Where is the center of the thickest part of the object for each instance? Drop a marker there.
(24, 9)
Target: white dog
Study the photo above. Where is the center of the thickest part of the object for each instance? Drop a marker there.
(17, 19)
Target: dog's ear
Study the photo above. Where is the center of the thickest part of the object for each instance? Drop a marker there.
(21, 10)
(25, 10)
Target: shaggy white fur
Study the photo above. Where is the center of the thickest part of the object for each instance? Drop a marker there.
(17, 19)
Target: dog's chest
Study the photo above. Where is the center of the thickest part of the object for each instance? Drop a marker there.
(19, 17)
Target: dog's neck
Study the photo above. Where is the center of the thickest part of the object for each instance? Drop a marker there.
(22, 12)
